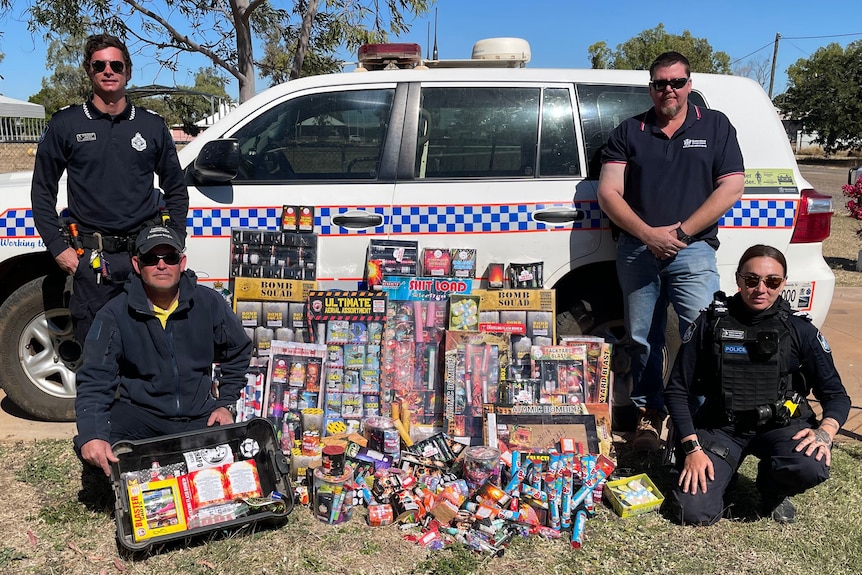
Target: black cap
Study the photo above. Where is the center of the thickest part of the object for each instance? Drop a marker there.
(157, 236)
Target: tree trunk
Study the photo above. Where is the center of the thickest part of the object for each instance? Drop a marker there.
(302, 43)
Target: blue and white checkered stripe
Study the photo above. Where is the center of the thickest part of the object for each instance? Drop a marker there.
(217, 222)
(760, 214)
(18, 223)
(425, 219)
(493, 218)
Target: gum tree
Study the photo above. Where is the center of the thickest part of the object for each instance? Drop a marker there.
(823, 91)
(224, 31)
(638, 52)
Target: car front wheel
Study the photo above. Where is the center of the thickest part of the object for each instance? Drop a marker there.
(40, 376)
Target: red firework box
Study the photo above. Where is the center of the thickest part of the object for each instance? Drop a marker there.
(474, 366)
(436, 262)
(412, 344)
(350, 324)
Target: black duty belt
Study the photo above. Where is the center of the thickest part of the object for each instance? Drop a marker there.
(110, 244)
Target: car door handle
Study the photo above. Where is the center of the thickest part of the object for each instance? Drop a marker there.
(559, 215)
(358, 220)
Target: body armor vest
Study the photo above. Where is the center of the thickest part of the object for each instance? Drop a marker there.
(752, 364)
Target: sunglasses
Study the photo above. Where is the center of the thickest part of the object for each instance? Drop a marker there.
(117, 66)
(170, 259)
(676, 84)
(753, 280)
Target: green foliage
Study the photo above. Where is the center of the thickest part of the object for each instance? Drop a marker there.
(68, 83)
(185, 110)
(51, 467)
(9, 555)
(638, 53)
(824, 92)
(225, 32)
(453, 560)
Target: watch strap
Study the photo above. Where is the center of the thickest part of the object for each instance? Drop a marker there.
(683, 237)
(691, 446)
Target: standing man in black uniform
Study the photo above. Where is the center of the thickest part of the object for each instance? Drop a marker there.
(755, 363)
(110, 150)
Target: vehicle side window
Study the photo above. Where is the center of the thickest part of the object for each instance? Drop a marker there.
(471, 132)
(334, 135)
(559, 146)
(602, 109)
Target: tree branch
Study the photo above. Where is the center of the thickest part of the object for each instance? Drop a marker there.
(185, 40)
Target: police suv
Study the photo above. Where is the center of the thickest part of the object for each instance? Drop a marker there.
(482, 153)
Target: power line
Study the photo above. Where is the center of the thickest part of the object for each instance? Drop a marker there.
(795, 38)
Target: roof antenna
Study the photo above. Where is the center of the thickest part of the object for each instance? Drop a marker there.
(434, 54)
(428, 42)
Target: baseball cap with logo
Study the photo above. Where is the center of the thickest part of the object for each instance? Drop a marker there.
(157, 236)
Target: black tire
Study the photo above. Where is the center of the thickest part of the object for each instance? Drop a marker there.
(40, 376)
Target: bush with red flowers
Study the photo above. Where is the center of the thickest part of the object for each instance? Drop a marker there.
(854, 204)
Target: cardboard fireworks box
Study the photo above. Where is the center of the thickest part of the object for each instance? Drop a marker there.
(149, 506)
(528, 314)
(273, 254)
(350, 324)
(474, 365)
(390, 257)
(634, 495)
(272, 309)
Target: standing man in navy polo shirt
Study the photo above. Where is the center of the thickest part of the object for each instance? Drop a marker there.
(110, 150)
(668, 175)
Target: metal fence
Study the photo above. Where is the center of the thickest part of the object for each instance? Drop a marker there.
(17, 156)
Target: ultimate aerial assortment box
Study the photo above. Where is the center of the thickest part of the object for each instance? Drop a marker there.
(379, 397)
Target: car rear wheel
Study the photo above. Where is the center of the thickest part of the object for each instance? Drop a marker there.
(40, 377)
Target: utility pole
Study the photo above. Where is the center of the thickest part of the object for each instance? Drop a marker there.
(774, 58)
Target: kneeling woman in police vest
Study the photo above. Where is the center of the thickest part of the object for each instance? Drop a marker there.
(738, 387)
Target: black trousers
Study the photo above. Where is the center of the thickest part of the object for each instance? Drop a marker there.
(88, 295)
(781, 472)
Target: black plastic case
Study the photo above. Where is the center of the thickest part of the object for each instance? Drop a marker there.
(272, 466)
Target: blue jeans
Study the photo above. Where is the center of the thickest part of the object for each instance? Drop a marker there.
(687, 281)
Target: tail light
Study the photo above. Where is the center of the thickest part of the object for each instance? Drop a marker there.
(814, 221)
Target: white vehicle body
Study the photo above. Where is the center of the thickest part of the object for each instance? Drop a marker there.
(503, 160)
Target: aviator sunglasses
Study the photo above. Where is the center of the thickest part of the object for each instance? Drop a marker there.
(753, 280)
(117, 66)
(170, 259)
(676, 84)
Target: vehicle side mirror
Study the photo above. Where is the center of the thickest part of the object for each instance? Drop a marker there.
(217, 162)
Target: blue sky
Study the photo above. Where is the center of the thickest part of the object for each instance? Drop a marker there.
(559, 33)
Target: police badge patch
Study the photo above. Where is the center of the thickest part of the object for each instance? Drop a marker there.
(139, 143)
(823, 343)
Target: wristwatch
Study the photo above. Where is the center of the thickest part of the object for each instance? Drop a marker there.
(683, 237)
(231, 408)
(690, 446)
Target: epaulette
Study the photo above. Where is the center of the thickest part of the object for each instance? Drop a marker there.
(804, 315)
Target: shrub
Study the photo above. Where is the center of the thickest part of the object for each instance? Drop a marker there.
(854, 204)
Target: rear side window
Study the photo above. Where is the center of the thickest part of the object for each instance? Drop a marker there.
(603, 108)
(478, 132)
(333, 135)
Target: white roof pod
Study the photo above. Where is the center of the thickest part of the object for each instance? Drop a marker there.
(512, 49)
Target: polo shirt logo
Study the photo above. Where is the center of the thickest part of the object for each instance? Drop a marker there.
(139, 143)
(691, 143)
(88, 137)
